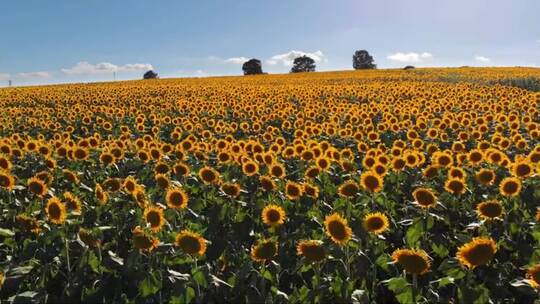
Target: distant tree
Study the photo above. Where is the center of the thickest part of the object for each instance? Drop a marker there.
(362, 60)
(303, 64)
(409, 67)
(150, 75)
(252, 67)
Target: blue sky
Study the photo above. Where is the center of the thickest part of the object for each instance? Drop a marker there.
(73, 41)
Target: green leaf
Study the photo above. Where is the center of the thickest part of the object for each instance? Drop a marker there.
(93, 261)
(149, 286)
(445, 281)
(477, 295)
(440, 250)
(190, 294)
(402, 290)
(6, 232)
(200, 278)
(414, 233)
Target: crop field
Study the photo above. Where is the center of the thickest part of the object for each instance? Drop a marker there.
(380, 186)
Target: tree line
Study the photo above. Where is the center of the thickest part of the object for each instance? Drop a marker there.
(361, 60)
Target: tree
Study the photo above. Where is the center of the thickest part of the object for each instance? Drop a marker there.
(150, 75)
(303, 64)
(362, 60)
(252, 67)
(408, 67)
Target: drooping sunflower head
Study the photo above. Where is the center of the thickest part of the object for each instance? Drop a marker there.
(153, 216)
(414, 261)
(455, 186)
(430, 171)
(7, 181)
(56, 211)
(485, 177)
(143, 241)
(88, 238)
(264, 250)
(37, 186)
(425, 197)
(101, 195)
(490, 210)
(312, 250)
(231, 189)
(176, 198)
(376, 223)
(112, 184)
(273, 215)
(311, 190)
(293, 190)
(71, 176)
(371, 181)
(348, 189)
(72, 202)
(477, 252)
(267, 183)
(510, 186)
(337, 229)
(533, 276)
(28, 223)
(162, 180)
(191, 243)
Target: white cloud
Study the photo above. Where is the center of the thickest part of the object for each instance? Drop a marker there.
(481, 59)
(410, 57)
(287, 59)
(236, 60)
(84, 67)
(34, 75)
(190, 73)
(4, 76)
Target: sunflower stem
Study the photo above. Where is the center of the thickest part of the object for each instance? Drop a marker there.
(414, 286)
(66, 243)
(317, 270)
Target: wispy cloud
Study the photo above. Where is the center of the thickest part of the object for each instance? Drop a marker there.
(481, 59)
(4, 76)
(287, 59)
(40, 74)
(236, 60)
(410, 57)
(86, 68)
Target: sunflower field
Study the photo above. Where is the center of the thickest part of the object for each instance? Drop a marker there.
(382, 186)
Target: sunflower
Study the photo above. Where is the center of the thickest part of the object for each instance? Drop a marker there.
(181, 169)
(264, 250)
(191, 243)
(455, 186)
(312, 250)
(153, 216)
(293, 190)
(312, 172)
(485, 177)
(533, 276)
(510, 186)
(490, 210)
(522, 169)
(477, 252)
(7, 181)
(112, 184)
(311, 190)
(277, 170)
(2, 278)
(139, 195)
(72, 202)
(143, 241)
(130, 184)
(80, 153)
(250, 168)
(101, 195)
(231, 189)
(371, 181)
(106, 158)
(376, 223)
(209, 175)
(430, 171)
(88, 238)
(176, 198)
(457, 172)
(71, 176)
(267, 183)
(27, 223)
(337, 229)
(37, 186)
(56, 211)
(425, 197)
(414, 261)
(273, 215)
(348, 189)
